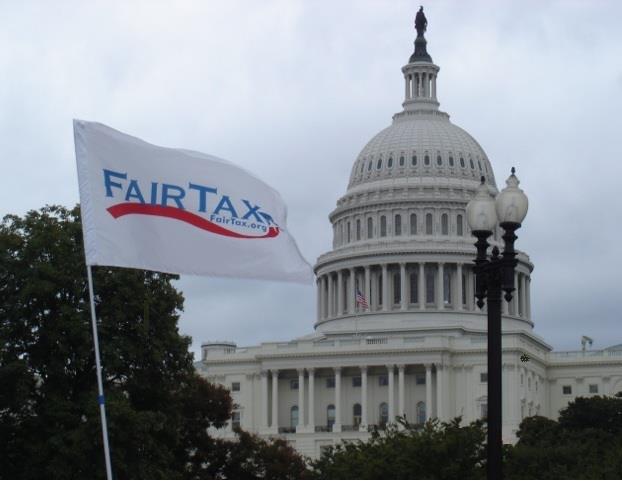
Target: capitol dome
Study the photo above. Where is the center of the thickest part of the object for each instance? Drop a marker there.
(402, 252)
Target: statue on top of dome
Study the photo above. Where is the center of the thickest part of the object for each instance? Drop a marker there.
(421, 23)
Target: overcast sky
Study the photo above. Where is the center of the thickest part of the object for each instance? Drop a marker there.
(292, 90)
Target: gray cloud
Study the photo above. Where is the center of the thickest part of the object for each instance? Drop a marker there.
(292, 91)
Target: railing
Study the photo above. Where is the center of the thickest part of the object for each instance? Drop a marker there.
(287, 430)
(323, 429)
(348, 427)
(377, 340)
(583, 354)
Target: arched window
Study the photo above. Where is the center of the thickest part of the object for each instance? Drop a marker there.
(451, 161)
(383, 226)
(445, 224)
(370, 227)
(390, 162)
(414, 288)
(471, 163)
(379, 290)
(348, 232)
(398, 224)
(426, 160)
(439, 160)
(413, 224)
(397, 288)
(369, 165)
(459, 225)
(330, 415)
(413, 160)
(430, 278)
(447, 286)
(401, 161)
(358, 229)
(479, 163)
(420, 412)
(379, 164)
(428, 224)
(293, 416)
(464, 293)
(356, 415)
(462, 164)
(383, 414)
(362, 167)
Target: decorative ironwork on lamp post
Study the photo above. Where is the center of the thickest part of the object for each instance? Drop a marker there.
(494, 275)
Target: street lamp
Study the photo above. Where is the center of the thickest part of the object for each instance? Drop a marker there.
(493, 275)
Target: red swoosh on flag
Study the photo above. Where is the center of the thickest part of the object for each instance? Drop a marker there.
(127, 208)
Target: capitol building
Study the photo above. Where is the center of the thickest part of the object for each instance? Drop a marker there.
(418, 349)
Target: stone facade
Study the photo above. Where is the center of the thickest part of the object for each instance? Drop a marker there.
(419, 349)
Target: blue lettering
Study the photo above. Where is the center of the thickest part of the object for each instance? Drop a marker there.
(252, 210)
(268, 218)
(133, 192)
(109, 183)
(154, 193)
(203, 191)
(176, 196)
(225, 204)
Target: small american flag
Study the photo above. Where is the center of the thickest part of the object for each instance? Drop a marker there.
(360, 299)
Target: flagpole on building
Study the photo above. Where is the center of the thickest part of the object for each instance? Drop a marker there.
(100, 384)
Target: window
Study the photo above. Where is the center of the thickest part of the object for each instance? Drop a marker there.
(593, 388)
(451, 161)
(414, 288)
(380, 289)
(293, 416)
(420, 412)
(459, 225)
(370, 227)
(439, 160)
(521, 379)
(413, 161)
(348, 231)
(356, 415)
(428, 224)
(398, 225)
(401, 161)
(529, 383)
(446, 286)
(413, 224)
(235, 420)
(358, 229)
(464, 291)
(397, 288)
(293, 384)
(471, 162)
(379, 164)
(356, 381)
(480, 165)
(383, 226)
(369, 165)
(426, 160)
(420, 379)
(484, 410)
(567, 390)
(483, 377)
(383, 414)
(390, 162)
(362, 167)
(235, 386)
(429, 285)
(330, 382)
(330, 415)
(462, 162)
(383, 380)
(444, 224)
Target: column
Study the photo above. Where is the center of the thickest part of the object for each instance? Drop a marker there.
(428, 391)
(386, 302)
(311, 372)
(403, 289)
(421, 286)
(340, 293)
(400, 389)
(440, 378)
(275, 400)
(363, 398)
(264, 399)
(324, 304)
(337, 425)
(331, 296)
(391, 389)
(318, 283)
(523, 300)
(368, 286)
(424, 81)
(458, 300)
(352, 301)
(407, 87)
(301, 399)
(515, 295)
(440, 294)
(434, 86)
(528, 296)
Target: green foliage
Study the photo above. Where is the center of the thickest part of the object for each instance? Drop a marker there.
(159, 409)
(433, 451)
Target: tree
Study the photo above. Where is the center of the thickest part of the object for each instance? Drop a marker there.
(433, 451)
(159, 409)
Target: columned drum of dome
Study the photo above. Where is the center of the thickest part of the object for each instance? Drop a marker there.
(400, 232)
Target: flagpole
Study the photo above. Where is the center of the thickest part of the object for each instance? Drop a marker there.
(100, 384)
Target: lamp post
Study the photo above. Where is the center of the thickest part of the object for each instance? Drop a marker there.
(492, 276)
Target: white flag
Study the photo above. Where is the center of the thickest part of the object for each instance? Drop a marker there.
(179, 211)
